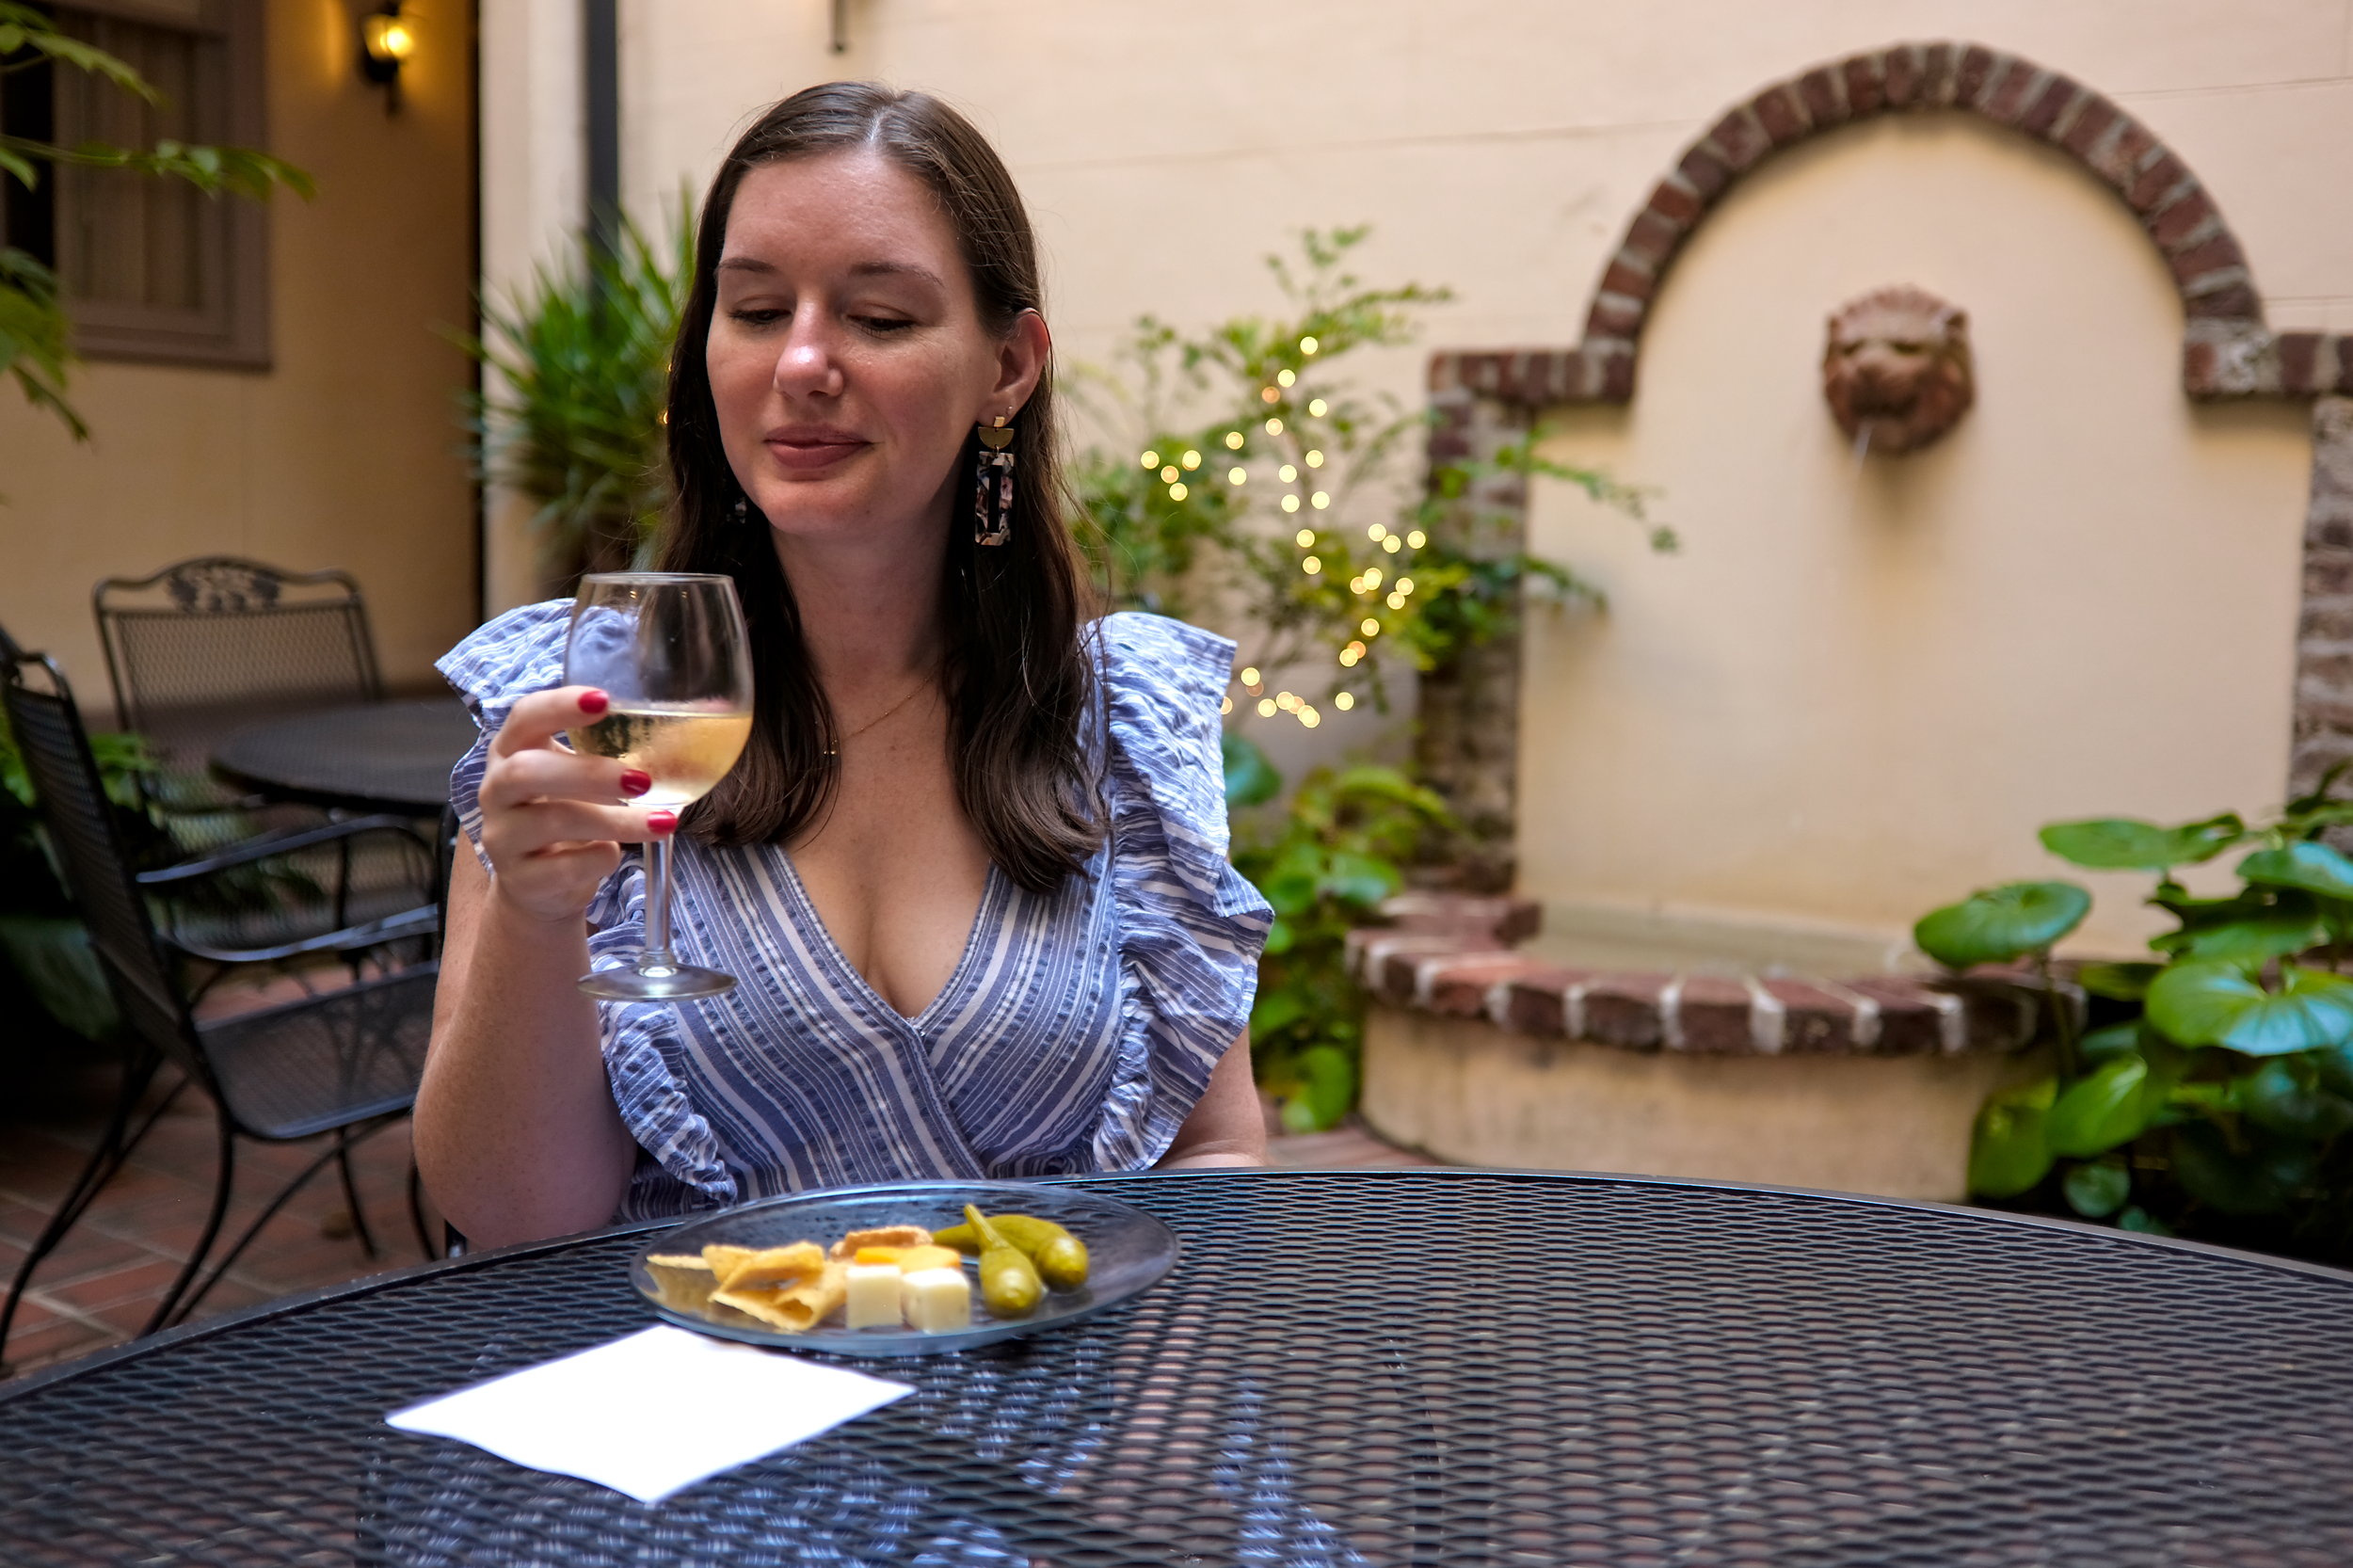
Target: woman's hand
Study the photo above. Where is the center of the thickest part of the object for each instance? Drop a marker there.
(550, 825)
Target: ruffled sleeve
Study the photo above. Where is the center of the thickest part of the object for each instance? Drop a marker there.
(504, 660)
(1190, 926)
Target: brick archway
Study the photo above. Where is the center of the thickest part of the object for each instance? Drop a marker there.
(1468, 742)
(2227, 350)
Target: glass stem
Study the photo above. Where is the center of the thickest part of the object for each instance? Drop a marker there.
(656, 958)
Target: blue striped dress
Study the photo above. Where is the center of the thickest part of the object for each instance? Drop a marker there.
(1076, 1034)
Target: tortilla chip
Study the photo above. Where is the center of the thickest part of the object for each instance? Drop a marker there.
(882, 1235)
(792, 1308)
(724, 1260)
(682, 1280)
(769, 1266)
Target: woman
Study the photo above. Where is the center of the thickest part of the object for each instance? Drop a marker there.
(970, 871)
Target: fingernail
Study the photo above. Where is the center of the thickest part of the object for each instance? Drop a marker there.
(593, 702)
(635, 781)
(664, 821)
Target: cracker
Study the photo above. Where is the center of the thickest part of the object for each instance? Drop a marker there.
(882, 1235)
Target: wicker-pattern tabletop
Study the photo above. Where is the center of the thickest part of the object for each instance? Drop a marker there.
(1346, 1368)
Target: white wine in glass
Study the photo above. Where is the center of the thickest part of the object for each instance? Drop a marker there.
(669, 652)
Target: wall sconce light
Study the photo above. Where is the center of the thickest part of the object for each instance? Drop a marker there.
(387, 38)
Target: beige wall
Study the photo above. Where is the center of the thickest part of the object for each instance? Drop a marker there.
(346, 452)
(1850, 697)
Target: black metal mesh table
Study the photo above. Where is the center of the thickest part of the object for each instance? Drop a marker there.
(362, 757)
(1348, 1367)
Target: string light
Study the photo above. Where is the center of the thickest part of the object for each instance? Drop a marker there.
(1287, 473)
(1274, 428)
(1318, 408)
(1192, 460)
(1369, 627)
(1315, 459)
(1349, 657)
(1268, 394)
(1355, 585)
(1397, 601)
(1376, 533)
(1417, 538)
(1319, 501)
(1283, 378)
(1309, 717)
(1290, 503)
(1307, 345)
(1237, 475)
(1372, 577)
(1288, 702)
(1344, 701)
(1177, 492)
(1169, 474)
(1151, 460)
(1250, 675)
(1405, 584)
(1304, 537)
(1357, 648)
(1311, 565)
(1266, 707)
(1233, 439)
(1227, 705)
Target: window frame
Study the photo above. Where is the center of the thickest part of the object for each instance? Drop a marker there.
(231, 329)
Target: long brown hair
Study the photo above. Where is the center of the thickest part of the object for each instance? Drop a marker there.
(1017, 682)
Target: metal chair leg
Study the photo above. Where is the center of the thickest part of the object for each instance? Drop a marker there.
(351, 1201)
(416, 1211)
(105, 1160)
(344, 1140)
(221, 1181)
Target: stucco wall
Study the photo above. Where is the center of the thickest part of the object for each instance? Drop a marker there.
(1850, 697)
(346, 452)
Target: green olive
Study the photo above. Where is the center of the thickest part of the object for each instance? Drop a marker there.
(1009, 1284)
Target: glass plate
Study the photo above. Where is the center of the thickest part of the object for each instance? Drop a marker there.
(1127, 1251)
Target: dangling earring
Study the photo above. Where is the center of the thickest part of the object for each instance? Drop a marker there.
(992, 505)
(742, 508)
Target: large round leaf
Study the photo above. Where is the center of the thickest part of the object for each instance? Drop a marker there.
(2007, 1151)
(2312, 866)
(1997, 924)
(2101, 1110)
(1250, 779)
(2098, 1190)
(2249, 943)
(2205, 1003)
(2125, 844)
(2285, 1095)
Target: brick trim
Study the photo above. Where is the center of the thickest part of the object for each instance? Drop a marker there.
(1452, 956)
(2226, 351)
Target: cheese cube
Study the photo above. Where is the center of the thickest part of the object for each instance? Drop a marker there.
(873, 1301)
(938, 1299)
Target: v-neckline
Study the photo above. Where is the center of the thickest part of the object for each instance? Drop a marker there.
(848, 974)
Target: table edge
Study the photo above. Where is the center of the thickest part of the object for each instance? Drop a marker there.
(367, 1285)
(330, 800)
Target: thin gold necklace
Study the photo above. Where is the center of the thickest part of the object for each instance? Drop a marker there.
(834, 749)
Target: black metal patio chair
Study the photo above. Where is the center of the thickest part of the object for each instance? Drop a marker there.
(194, 653)
(344, 1063)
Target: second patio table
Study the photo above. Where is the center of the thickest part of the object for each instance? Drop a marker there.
(390, 756)
(1352, 1367)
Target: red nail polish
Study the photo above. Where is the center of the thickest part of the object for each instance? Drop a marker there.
(663, 822)
(593, 703)
(635, 781)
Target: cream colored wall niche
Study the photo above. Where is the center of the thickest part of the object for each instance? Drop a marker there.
(1862, 688)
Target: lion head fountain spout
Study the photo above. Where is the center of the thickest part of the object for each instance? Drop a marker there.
(1896, 369)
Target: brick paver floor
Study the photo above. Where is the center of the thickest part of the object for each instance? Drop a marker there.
(101, 1284)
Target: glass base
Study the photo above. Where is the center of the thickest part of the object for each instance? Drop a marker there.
(665, 982)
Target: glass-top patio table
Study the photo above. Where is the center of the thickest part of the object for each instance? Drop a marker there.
(1377, 1368)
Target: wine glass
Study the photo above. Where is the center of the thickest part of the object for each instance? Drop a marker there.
(669, 649)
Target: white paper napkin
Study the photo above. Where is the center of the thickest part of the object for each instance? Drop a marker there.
(650, 1414)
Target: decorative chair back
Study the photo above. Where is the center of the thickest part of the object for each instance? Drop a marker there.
(88, 844)
(209, 644)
